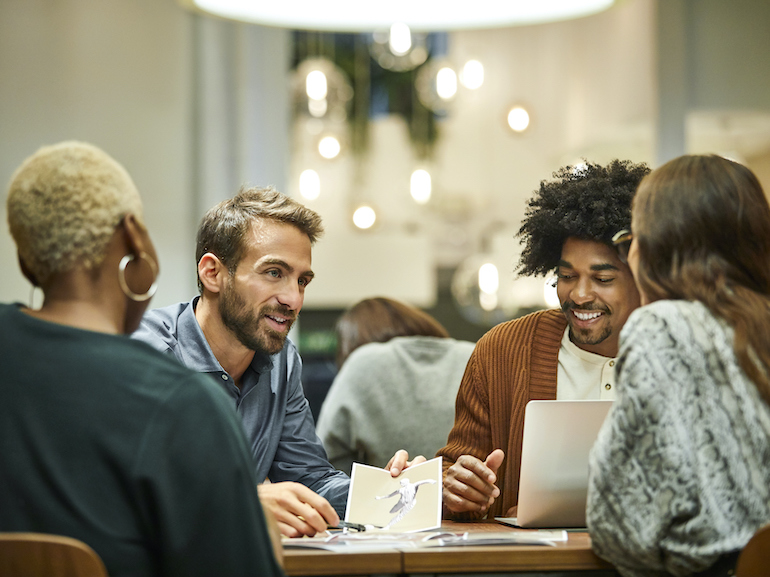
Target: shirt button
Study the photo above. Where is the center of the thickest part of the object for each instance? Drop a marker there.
(612, 363)
(608, 386)
(224, 377)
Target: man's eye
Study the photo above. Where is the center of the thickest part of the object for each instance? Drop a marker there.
(605, 280)
(303, 282)
(274, 273)
(564, 276)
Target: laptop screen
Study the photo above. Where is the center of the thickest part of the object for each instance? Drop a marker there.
(558, 435)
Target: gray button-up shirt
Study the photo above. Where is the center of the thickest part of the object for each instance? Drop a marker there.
(270, 402)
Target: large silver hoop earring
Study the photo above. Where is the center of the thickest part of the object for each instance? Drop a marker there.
(122, 277)
(32, 298)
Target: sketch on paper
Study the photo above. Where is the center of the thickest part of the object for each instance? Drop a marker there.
(406, 501)
(384, 503)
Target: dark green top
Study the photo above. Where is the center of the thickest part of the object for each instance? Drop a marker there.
(108, 441)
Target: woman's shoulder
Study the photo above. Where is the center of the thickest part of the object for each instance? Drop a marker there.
(668, 312)
(676, 325)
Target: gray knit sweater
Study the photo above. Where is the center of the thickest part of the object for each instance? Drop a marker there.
(680, 473)
(394, 395)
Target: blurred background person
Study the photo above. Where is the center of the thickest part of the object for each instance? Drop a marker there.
(399, 375)
(680, 473)
(104, 439)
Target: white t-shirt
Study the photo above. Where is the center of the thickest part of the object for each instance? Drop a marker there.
(582, 375)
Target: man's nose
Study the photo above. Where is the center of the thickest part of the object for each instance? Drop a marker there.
(582, 293)
(292, 296)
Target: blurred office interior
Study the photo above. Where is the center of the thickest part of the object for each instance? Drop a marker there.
(196, 105)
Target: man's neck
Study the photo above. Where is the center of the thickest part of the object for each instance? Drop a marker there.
(229, 351)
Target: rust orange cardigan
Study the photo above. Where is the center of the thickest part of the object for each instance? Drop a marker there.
(513, 363)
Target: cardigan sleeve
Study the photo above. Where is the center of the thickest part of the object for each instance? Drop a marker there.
(471, 434)
(499, 381)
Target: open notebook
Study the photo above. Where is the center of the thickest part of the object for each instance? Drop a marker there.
(558, 435)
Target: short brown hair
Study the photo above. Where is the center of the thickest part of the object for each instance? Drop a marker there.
(379, 319)
(224, 226)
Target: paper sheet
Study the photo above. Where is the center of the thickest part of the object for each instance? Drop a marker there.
(407, 503)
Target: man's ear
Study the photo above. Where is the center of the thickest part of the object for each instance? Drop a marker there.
(26, 272)
(212, 273)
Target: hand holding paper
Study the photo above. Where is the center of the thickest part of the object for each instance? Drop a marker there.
(400, 462)
(409, 502)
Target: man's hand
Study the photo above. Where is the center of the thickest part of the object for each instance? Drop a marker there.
(298, 510)
(469, 484)
(400, 461)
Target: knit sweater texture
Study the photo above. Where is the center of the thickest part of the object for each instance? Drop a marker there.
(515, 362)
(680, 473)
(392, 395)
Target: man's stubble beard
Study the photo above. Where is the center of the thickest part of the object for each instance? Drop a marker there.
(583, 336)
(245, 325)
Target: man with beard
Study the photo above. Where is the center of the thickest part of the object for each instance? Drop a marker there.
(254, 263)
(554, 354)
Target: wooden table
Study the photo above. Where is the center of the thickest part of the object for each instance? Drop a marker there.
(573, 555)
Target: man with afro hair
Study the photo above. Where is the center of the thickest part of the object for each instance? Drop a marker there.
(554, 354)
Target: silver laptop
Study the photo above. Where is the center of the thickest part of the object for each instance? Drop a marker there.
(558, 436)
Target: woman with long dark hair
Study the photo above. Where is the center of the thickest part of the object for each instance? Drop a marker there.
(680, 474)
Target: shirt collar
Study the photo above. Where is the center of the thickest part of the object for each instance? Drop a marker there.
(196, 350)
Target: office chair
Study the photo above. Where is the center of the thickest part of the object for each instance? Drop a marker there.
(41, 555)
(754, 559)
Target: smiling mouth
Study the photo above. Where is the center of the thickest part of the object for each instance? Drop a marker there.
(279, 324)
(586, 315)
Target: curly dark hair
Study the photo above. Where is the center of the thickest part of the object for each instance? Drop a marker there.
(590, 202)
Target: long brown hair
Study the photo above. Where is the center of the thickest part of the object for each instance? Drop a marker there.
(379, 319)
(702, 228)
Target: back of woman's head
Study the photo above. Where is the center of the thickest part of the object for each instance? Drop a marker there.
(379, 319)
(702, 229)
(702, 226)
(64, 203)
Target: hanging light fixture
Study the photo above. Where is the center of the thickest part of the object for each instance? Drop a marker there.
(518, 118)
(472, 75)
(400, 39)
(436, 85)
(398, 49)
(420, 186)
(423, 16)
(364, 217)
(321, 90)
(309, 184)
(329, 147)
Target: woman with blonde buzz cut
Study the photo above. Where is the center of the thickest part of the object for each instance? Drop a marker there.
(102, 438)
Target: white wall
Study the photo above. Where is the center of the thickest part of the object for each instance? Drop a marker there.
(192, 106)
(117, 74)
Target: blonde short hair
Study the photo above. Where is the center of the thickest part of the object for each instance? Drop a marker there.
(64, 203)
